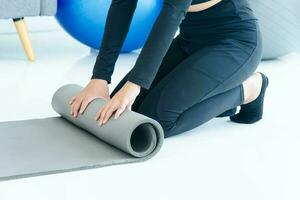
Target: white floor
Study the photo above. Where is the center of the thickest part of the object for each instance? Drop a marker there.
(219, 160)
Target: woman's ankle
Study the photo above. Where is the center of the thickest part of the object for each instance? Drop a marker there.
(252, 87)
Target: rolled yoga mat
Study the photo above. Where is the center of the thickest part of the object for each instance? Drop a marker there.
(61, 144)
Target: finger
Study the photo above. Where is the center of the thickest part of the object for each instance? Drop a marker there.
(130, 105)
(103, 113)
(73, 105)
(109, 112)
(97, 117)
(98, 114)
(72, 100)
(83, 106)
(119, 112)
(76, 108)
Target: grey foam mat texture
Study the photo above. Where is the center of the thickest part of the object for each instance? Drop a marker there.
(60, 144)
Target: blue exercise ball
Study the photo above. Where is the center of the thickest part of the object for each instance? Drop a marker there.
(85, 21)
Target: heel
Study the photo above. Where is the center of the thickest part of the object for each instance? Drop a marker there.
(252, 112)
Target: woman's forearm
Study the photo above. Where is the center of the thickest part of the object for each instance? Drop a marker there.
(117, 25)
(158, 42)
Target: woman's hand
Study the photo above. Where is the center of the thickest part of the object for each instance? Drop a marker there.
(123, 99)
(97, 88)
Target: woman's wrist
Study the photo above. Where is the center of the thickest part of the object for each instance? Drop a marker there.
(100, 81)
(133, 85)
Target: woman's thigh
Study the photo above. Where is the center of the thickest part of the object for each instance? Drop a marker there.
(209, 71)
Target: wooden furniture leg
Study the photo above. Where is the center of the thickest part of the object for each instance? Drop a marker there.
(24, 37)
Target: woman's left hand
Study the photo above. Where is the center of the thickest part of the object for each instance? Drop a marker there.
(122, 100)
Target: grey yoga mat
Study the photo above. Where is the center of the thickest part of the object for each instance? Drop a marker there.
(61, 144)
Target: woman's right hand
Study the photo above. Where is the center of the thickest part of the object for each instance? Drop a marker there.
(97, 88)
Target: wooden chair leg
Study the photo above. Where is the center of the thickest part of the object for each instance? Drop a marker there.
(24, 37)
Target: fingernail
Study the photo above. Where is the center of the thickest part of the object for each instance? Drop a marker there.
(100, 124)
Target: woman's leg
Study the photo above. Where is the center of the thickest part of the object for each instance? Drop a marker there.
(201, 87)
(252, 109)
(173, 57)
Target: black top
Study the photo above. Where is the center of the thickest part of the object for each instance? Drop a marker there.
(116, 28)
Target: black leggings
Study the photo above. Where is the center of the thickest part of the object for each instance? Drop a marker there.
(192, 87)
